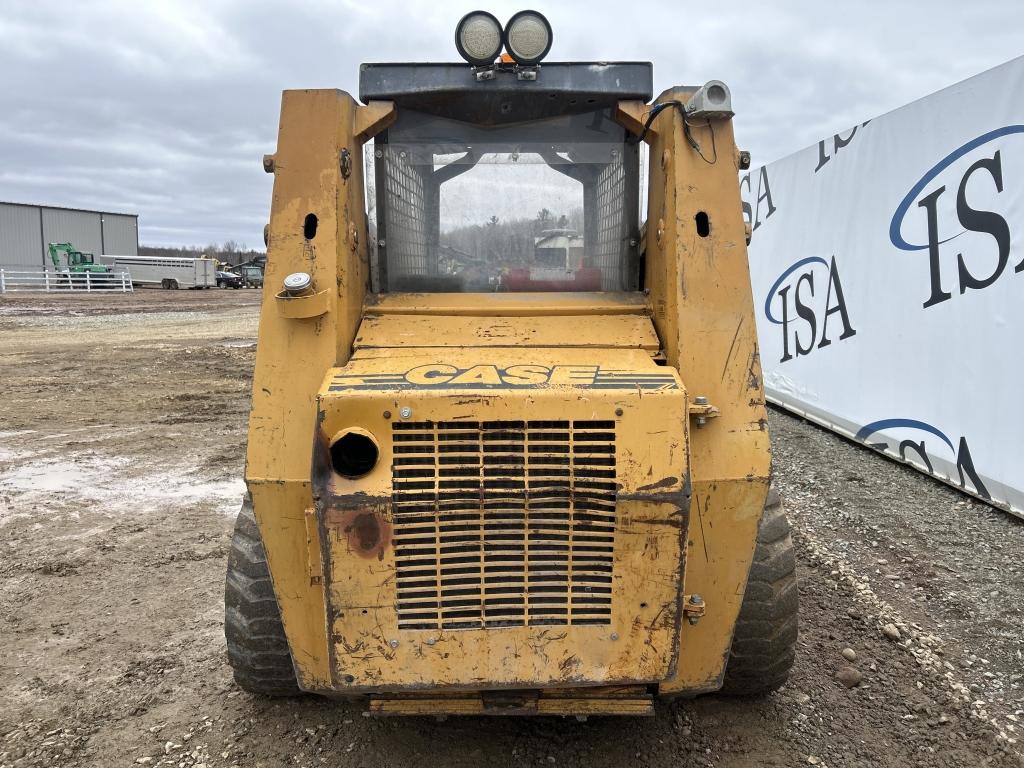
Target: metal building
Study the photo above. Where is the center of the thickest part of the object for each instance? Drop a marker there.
(26, 230)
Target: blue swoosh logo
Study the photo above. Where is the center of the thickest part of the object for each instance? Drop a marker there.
(895, 235)
(877, 426)
(782, 278)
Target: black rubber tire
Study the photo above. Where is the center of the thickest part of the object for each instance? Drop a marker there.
(257, 646)
(764, 641)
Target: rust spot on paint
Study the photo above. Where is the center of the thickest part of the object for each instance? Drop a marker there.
(367, 530)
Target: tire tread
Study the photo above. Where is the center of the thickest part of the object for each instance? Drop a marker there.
(256, 642)
(764, 640)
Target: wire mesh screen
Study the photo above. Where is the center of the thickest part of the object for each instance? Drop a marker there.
(547, 205)
(405, 219)
(612, 226)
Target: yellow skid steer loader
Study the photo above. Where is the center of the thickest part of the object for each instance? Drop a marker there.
(508, 448)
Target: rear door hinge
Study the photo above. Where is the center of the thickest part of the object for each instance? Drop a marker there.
(693, 608)
(701, 410)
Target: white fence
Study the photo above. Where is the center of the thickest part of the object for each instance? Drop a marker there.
(50, 281)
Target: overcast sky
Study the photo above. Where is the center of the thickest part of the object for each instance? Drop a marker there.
(165, 108)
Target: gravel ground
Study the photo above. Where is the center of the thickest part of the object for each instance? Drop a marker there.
(122, 432)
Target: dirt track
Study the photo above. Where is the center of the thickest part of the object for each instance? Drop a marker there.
(122, 430)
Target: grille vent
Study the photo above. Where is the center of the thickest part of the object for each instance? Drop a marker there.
(503, 523)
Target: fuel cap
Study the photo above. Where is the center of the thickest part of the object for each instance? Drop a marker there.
(297, 282)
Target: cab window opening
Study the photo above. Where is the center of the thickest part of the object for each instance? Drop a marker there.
(548, 205)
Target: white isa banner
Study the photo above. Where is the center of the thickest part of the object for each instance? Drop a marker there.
(888, 272)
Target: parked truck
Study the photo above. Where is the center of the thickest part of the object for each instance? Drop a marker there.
(169, 272)
(251, 274)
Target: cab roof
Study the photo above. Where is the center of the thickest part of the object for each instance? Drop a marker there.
(455, 92)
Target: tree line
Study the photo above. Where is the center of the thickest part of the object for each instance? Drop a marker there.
(510, 241)
(228, 252)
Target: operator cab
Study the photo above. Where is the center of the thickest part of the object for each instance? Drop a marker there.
(479, 177)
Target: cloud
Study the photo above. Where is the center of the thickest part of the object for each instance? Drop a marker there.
(164, 109)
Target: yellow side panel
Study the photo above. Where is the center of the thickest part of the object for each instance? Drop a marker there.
(702, 306)
(615, 331)
(288, 539)
(295, 351)
(723, 527)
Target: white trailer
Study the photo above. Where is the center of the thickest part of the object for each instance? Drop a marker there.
(166, 271)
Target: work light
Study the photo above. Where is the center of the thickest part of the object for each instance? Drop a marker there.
(528, 37)
(478, 38)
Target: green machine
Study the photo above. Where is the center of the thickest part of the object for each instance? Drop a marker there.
(77, 261)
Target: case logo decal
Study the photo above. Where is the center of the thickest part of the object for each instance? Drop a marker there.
(443, 376)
